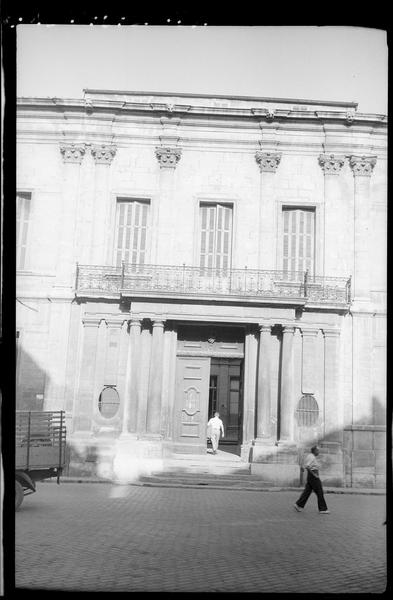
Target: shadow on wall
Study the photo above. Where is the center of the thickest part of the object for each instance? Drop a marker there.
(352, 457)
(30, 382)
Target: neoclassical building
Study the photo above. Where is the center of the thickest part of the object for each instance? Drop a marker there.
(180, 253)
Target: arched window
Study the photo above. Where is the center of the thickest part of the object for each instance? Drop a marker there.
(108, 402)
(307, 411)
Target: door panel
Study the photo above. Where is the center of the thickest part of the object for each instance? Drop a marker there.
(192, 393)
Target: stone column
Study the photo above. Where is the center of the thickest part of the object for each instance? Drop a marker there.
(103, 155)
(72, 155)
(165, 216)
(286, 396)
(133, 365)
(264, 384)
(268, 163)
(155, 380)
(249, 393)
(334, 409)
(308, 360)
(362, 168)
(85, 396)
(333, 252)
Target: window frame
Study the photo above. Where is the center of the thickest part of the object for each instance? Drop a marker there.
(27, 259)
(318, 227)
(142, 198)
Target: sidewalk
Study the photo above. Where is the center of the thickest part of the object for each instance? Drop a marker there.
(249, 484)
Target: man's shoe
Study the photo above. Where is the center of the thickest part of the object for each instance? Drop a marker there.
(324, 512)
(296, 507)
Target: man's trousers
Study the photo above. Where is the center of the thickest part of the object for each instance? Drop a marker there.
(313, 485)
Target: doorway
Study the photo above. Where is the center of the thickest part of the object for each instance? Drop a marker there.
(225, 396)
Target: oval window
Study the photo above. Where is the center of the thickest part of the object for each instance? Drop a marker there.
(108, 402)
(307, 411)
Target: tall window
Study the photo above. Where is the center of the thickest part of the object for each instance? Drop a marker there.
(298, 239)
(23, 200)
(216, 236)
(131, 231)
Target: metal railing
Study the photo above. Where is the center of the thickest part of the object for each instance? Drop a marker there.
(168, 280)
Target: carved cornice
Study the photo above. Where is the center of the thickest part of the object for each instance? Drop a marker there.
(103, 153)
(268, 161)
(168, 157)
(73, 153)
(362, 166)
(331, 164)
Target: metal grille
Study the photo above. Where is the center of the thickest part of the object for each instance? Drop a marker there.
(307, 411)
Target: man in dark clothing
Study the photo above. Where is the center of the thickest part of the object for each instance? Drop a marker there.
(313, 484)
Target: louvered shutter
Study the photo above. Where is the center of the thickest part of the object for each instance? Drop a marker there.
(22, 223)
(216, 236)
(131, 228)
(298, 240)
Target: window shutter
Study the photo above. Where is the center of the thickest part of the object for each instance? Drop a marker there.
(216, 236)
(131, 226)
(298, 240)
(22, 222)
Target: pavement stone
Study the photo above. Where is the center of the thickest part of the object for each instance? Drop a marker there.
(138, 538)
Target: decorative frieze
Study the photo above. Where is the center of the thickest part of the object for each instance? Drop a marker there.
(73, 153)
(168, 157)
(331, 164)
(362, 166)
(268, 161)
(103, 153)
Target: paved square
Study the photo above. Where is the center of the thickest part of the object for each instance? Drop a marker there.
(102, 537)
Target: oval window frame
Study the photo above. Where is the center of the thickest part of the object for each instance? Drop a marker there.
(112, 414)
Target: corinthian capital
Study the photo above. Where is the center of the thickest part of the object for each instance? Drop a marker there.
(331, 164)
(103, 153)
(72, 153)
(268, 161)
(168, 157)
(362, 166)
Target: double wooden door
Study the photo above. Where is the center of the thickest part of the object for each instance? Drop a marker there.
(204, 385)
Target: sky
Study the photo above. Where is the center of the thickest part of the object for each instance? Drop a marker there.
(337, 63)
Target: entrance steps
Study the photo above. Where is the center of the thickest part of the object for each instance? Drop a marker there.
(221, 469)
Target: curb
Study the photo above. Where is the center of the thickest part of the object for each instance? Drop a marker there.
(206, 485)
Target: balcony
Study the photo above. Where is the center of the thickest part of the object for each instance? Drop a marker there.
(241, 285)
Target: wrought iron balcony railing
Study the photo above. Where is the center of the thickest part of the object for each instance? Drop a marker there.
(164, 280)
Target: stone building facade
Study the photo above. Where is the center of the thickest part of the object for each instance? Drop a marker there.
(180, 253)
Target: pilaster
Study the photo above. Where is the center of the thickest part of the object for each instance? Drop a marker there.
(332, 165)
(268, 163)
(168, 158)
(85, 395)
(72, 156)
(103, 155)
(362, 168)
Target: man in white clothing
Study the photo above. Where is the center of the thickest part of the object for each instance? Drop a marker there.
(313, 484)
(216, 426)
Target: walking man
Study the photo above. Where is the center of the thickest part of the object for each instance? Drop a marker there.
(313, 484)
(216, 427)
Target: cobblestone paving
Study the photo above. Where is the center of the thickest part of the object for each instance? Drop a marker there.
(102, 537)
